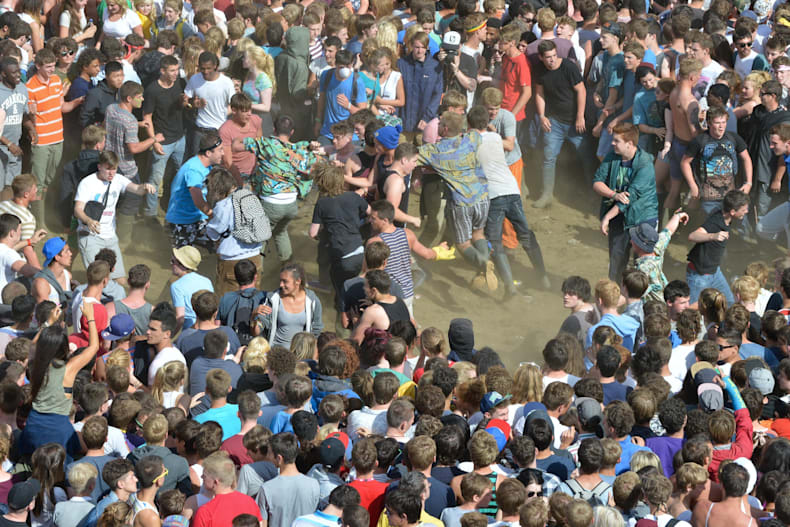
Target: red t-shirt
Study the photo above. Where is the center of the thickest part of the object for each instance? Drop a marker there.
(236, 450)
(515, 75)
(371, 494)
(221, 510)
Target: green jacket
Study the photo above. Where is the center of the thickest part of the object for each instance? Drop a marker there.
(640, 183)
(291, 70)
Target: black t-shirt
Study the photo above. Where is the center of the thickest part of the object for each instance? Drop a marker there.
(4, 522)
(468, 66)
(706, 256)
(558, 90)
(167, 111)
(715, 163)
(341, 217)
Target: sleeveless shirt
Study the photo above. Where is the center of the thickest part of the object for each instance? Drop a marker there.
(399, 262)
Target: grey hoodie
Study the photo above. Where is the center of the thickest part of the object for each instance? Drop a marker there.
(291, 70)
(177, 467)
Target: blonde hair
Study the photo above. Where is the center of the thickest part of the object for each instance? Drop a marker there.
(645, 458)
(433, 342)
(120, 3)
(81, 475)
(169, 378)
(757, 78)
(264, 63)
(759, 271)
(387, 37)
(466, 371)
(689, 475)
(303, 346)
(527, 384)
(215, 40)
(381, 8)
(220, 466)
(190, 58)
(607, 517)
(255, 355)
(120, 358)
(746, 287)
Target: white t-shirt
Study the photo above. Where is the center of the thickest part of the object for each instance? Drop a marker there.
(567, 379)
(491, 155)
(373, 420)
(681, 360)
(389, 89)
(675, 385)
(65, 20)
(8, 257)
(168, 354)
(92, 189)
(122, 27)
(116, 442)
(216, 93)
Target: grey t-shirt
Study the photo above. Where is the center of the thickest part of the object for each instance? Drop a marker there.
(285, 498)
(121, 129)
(288, 325)
(505, 125)
(14, 104)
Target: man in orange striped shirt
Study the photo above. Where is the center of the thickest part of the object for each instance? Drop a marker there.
(45, 94)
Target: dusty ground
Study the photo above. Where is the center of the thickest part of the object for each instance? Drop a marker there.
(568, 234)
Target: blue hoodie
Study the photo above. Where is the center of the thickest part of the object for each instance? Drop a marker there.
(625, 326)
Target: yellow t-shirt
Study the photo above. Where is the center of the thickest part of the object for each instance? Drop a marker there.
(424, 518)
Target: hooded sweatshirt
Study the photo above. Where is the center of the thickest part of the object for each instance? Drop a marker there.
(177, 467)
(625, 326)
(96, 103)
(291, 71)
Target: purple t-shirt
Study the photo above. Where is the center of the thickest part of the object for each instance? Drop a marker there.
(665, 448)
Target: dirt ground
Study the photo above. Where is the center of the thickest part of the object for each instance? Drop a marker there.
(568, 233)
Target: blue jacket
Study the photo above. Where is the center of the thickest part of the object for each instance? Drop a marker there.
(424, 83)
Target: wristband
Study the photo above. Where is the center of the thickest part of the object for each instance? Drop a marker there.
(29, 243)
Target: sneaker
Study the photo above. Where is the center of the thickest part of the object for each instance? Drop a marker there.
(544, 201)
(478, 283)
(491, 280)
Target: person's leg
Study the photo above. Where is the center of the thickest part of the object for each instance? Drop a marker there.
(493, 233)
(509, 237)
(89, 248)
(604, 144)
(719, 281)
(619, 248)
(776, 221)
(430, 207)
(119, 273)
(697, 282)
(158, 166)
(552, 145)
(279, 218)
(226, 277)
(342, 270)
(676, 153)
(526, 236)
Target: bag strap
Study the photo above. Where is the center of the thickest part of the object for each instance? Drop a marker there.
(575, 487)
(49, 276)
(106, 195)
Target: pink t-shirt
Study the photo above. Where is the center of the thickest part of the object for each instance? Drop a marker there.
(244, 161)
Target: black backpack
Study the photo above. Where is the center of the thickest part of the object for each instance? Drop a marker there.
(240, 317)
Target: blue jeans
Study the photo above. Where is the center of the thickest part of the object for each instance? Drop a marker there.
(697, 282)
(158, 165)
(775, 222)
(552, 145)
(510, 207)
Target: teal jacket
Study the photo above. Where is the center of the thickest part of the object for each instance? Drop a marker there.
(640, 185)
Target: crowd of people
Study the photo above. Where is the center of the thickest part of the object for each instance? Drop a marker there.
(213, 125)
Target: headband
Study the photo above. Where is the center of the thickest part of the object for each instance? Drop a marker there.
(782, 68)
(481, 26)
(219, 142)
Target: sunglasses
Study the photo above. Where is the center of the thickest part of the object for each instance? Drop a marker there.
(67, 52)
(160, 476)
(534, 493)
(743, 45)
(722, 348)
(529, 20)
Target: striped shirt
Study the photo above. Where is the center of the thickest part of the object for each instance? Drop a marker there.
(399, 262)
(24, 215)
(317, 519)
(45, 103)
(316, 49)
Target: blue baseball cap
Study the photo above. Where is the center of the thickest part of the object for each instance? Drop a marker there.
(52, 248)
(121, 326)
(492, 400)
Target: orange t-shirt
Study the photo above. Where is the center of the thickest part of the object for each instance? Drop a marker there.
(45, 103)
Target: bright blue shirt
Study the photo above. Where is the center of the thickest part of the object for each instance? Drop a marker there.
(227, 416)
(182, 290)
(182, 210)
(787, 165)
(649, 57)
(750, 349)
(623, 325)
(281, 423)
(333, 112)
(629, 449)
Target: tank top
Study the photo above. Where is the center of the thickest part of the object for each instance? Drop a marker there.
(139, 506)
(51, 398)
(366, 165)
(140, 315)
(404, 198)
(396, 310)
(399, 262)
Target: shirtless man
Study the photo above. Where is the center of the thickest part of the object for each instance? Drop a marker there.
(384, 308)
(685, 118)
(729, 511)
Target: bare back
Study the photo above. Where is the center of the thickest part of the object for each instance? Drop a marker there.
(683, 104)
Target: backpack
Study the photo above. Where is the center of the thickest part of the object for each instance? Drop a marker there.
(247, 300)
(326, 78)
(596, 497)
(250, 224)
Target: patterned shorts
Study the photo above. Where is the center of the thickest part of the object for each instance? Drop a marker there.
(188, 233)
(468, 219)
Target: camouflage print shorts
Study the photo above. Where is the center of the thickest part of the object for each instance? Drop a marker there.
(182, 234)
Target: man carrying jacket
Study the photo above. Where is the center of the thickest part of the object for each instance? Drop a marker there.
(626, 182)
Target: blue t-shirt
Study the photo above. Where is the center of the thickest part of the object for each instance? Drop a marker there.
(182, 210)
(333, 112)
(614, 391)
(281, 423)
(649, 57)
(787, 165)
(750, 349)
(182, 290)
(227, 416)
(629, 449)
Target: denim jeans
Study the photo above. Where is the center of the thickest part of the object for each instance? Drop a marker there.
(697, 282)
(510, 207)
(776, 221)
(158, 166)
(340, 270)
(553, 140)
(280, 215)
